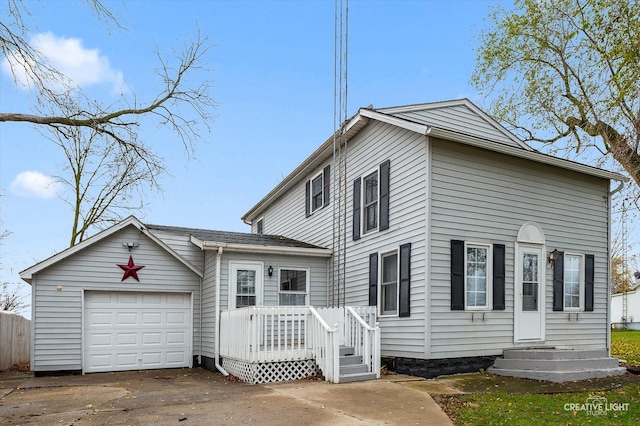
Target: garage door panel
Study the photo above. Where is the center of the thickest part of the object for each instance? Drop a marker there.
(174, 358)
(151, 338)
(151, 318)
(176, 318)
(136, 331)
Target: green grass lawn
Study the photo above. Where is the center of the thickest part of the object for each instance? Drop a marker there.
(612, 401)
(625, 344)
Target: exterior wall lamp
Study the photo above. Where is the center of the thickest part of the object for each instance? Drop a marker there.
(553, 255)
(270, 270)
(130, 245)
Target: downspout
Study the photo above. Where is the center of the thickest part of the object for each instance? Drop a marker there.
(217, 346)
(611, 194)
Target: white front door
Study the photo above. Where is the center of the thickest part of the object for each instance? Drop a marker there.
(529, 293)
(245, 284)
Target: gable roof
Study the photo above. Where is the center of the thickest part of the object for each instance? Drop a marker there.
(28, 273)
(456, 120)
(208, 239)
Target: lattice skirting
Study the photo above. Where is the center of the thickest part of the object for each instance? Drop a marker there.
(270, 372)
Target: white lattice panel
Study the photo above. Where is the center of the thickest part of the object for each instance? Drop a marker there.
(270, 372)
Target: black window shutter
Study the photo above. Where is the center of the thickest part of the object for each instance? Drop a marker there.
(405, 280)
(326, 180)
(373, 279)
(498, 276)
(384, 196)
(307, 199)
(558, 282)
(457, 275)
(589, 272)
(356, 209)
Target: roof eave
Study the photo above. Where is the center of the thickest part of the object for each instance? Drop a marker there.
(352, 127)
(27, 274)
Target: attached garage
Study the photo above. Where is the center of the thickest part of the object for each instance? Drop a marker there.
(126, 330)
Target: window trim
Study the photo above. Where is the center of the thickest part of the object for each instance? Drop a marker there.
(260, 226)
(320, 176)
(581, 282)
(307, 270)
(363, 194)
(489, 277)
(381, 256)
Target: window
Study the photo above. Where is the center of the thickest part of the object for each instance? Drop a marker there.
(260, 226)
(389, 284)
(370, 211)
(293, 287)
(317, 191)
(245, 288)
(371, 202)
(477, 276)
(573, 281)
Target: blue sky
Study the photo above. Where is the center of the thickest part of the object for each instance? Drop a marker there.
(272, 73)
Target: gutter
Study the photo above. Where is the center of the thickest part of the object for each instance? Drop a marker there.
(217, 345)
(253, 248)
(611, 194)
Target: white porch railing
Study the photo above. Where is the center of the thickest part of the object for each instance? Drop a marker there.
(258, 335)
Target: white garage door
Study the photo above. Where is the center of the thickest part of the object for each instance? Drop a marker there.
(135, 331)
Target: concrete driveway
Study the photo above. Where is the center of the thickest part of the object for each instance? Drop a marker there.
(200, 397)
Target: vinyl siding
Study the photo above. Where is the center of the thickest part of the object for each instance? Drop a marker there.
(406, 151)
(317, 292)
(287, 217)
(375, 144)
(183, 246)
(458, 118)
(485, 197)
(57, 315)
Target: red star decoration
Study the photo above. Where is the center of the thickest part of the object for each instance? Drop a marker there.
(130, 270)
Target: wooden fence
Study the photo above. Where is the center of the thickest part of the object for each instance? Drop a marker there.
(15, 340)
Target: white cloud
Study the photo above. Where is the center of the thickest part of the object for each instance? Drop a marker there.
(83, 67)
(34, 185)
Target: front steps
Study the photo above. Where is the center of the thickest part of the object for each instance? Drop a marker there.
(352, 368)
(556, 365)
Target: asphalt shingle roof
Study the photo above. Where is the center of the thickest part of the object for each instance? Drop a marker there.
(234, 237)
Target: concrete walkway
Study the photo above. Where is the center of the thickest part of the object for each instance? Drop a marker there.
(200, 397)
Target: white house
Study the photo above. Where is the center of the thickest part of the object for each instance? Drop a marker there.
(625, 307)
(426, 235)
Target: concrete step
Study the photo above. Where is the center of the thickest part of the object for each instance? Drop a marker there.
(563, 364)
(552, 353)
(559, 376)
(357, 377)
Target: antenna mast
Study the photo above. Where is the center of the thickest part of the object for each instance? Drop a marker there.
(341, 33)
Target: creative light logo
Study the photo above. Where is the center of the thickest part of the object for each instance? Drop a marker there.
(596, 406)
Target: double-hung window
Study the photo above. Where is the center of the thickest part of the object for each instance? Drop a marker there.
(370, 202)
(293, 287)
(573, 281)
(389, 284)
(477, 274)
(317, 191)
